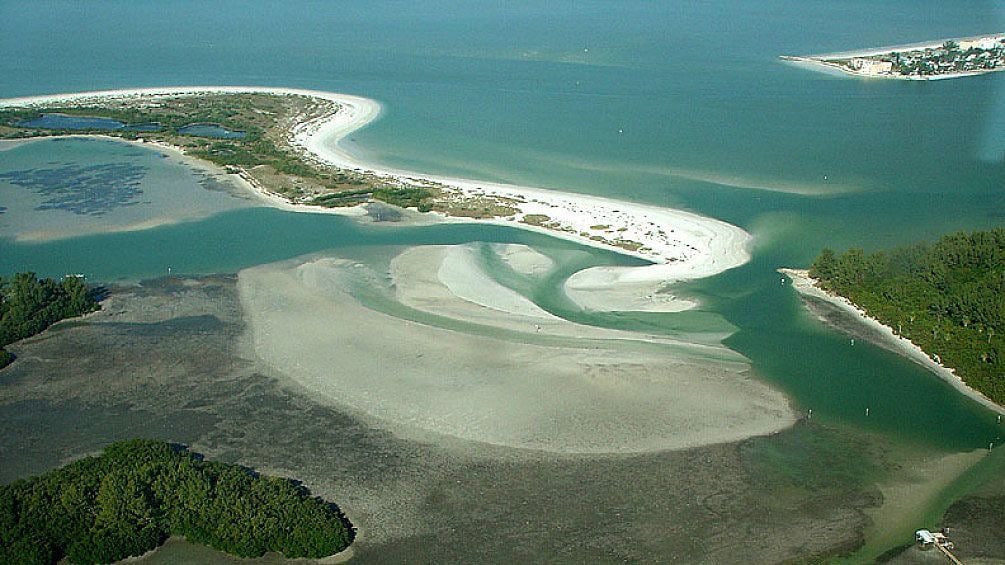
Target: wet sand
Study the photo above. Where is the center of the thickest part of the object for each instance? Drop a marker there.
(167, 361)
(558, 394)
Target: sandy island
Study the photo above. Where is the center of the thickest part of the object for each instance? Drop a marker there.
(681, 245)
(806, 285)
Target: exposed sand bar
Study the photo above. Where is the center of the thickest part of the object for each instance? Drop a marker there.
(523, 259)
(450, 281)
(681, 245)
(806, 285)
(561, 395)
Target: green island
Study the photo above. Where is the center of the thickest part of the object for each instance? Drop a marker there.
(128, 500)
(948, 298)
(29, 305)
(263, 155)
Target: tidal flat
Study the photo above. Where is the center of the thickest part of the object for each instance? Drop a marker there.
(168, 359)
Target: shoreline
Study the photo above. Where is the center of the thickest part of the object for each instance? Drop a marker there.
(882, 50)
(807, 286)
(824, 60)
(813, 62)
(681, 245)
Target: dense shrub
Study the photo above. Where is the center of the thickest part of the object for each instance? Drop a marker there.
(29, 305)
(948, 298)
(131, 498)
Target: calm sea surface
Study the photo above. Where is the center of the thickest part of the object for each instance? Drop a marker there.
(671, 103)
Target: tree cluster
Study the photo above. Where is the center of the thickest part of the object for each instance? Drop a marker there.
(29, 305)
(947, 297)
(128, 500)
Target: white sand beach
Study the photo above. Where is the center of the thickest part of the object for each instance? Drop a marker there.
(449, 281)
(806, 285)
(682, 245)
(524, 259)
(561, 394)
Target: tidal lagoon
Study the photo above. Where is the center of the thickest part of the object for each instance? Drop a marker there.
(652, 106)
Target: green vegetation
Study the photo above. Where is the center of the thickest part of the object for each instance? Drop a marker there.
(29, 305)
(131, 498)
(405, 197)
(948, 298)
(263, 154)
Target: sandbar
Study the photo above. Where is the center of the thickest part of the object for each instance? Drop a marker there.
(562, 395)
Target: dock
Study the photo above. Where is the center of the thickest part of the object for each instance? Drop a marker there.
(928, 539)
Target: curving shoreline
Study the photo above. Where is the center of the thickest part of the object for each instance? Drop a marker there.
(681, 245)
(806, 285)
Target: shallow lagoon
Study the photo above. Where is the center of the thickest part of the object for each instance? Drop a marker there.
(741, 137)
(68, 187)
(64, 121)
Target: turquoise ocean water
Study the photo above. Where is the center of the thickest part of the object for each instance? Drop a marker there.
(670, 103)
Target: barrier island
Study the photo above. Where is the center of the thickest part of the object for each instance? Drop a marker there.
(947, 298)
(128, 500)
(943, 59)
(284, 145)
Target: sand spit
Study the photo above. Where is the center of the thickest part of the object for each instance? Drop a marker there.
(449, 281)
(611, 289)
(806, 285)
(524, 259)
(460, 273)
(683, 245)
(571, 396)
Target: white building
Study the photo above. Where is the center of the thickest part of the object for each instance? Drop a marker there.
(982, 43)
(872, 66)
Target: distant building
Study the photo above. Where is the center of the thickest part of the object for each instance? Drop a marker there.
(983, 43)
(871, 66)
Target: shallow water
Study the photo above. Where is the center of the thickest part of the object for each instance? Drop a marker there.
(670, 104)
(60, 188)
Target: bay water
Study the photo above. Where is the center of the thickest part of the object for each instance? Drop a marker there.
(670, 103)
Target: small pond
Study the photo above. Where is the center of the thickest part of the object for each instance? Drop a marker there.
(211, 130)
(65, 121)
